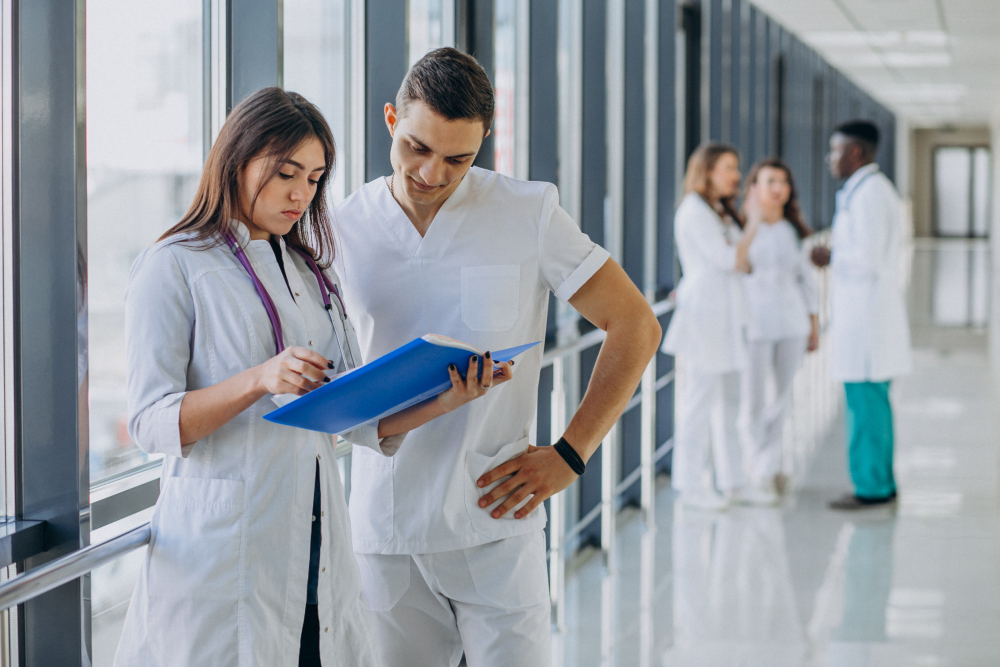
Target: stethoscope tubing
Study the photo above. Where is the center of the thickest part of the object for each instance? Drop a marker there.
(326, 288)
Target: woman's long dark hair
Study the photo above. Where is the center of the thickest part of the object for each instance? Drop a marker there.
(271, 123)
(791, 212)
(696, 178)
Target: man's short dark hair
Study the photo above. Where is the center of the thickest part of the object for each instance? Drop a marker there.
(863, 132)
(453, 84)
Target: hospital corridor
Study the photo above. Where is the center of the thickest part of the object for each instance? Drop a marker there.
(798, 585)
(499, 333)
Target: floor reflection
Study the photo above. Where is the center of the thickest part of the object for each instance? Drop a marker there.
(801, 585)
(733, 599)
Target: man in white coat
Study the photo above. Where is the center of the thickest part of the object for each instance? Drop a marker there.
(869, 332)
(447, 533)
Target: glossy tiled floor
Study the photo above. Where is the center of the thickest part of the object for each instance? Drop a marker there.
(802, 585)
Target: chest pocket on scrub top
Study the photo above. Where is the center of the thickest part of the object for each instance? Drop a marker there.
(490, 296)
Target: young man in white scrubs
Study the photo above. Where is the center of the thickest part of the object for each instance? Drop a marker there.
(451, 561)
(869, 332)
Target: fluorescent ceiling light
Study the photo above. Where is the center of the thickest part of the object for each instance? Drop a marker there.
(899, 59)
(924, 93)
(883, 40)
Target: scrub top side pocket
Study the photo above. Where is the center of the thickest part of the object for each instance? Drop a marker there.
(490, 296)
(476, 465)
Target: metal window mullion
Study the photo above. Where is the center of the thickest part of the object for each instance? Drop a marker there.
(49, 196)
(522, 89)
(253, 47)
(651, 92)
(9, 649)
(614, 100)
(357, 100)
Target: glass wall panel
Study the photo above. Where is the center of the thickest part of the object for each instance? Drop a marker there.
(981, 180)
(430, 25)
(144, 158)
(111, 588)
(504, 81)
(951, 191)
(316, 67)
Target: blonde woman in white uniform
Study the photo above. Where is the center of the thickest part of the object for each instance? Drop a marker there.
(708, 331)
(784, 320)
(250, 560)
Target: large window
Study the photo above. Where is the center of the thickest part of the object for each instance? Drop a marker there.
(504, 81)
(316, 66)
(144, 156)
(430, 25)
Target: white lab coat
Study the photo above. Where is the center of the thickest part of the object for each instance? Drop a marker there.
(869, 332)
(482, 274)
(709, 326)
(781, 288)
(223, 583)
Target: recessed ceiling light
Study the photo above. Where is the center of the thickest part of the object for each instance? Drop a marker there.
(898, 59)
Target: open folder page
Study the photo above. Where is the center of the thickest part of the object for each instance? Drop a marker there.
(393, 382)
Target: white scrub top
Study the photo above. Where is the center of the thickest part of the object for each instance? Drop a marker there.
(781, 287)
(481, 274)
(223, 581)
(708, 327)
(869, 331)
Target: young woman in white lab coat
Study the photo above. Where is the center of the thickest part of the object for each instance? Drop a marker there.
(784, 319)
(250, 560)
(707, 333)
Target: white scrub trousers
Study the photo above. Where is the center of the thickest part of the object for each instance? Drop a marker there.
(762, 421)
(706, 423)
(489, 601)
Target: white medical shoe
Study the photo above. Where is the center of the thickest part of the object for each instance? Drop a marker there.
(750, 495)
(707, 500)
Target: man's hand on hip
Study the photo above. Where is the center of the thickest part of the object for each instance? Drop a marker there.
(540, 473)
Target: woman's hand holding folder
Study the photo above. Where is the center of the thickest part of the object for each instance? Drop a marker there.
(463, 390)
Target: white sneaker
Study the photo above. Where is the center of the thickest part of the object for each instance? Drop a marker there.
(754, 496)
(704, 500)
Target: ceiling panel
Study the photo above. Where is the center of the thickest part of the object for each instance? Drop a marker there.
(932, 61)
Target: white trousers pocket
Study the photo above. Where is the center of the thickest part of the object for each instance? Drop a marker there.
(384, 579)
(511, 573)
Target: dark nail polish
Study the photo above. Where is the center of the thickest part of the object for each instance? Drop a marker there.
(487, 355)
(452, 367)
(329, 365)
(511, 362)
(326, 379)
(475, 358)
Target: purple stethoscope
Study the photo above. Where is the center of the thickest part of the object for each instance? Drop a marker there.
(326, 288)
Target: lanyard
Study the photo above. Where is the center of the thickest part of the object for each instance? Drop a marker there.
(326, 288)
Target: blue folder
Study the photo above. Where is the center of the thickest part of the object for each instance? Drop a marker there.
(404, 377)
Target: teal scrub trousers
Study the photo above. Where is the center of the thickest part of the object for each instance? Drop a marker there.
(869, 439)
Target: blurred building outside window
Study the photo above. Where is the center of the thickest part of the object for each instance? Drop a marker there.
(504, 81)
(144, 159)
(316, 66)
(430, 24)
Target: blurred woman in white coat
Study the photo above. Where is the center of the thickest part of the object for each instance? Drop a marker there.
(708, 330)
(784, 319)
(250, 560)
